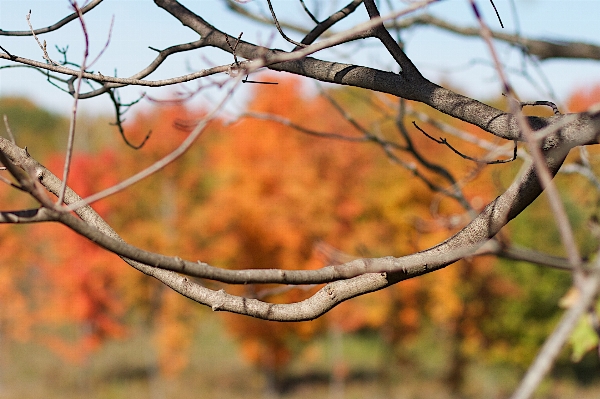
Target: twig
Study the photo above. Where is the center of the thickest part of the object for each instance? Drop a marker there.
(334, 18)
(547, 103)
(234, 47)
(562, 221)
(295, 126)
(42, 46)
(172, 156)
(541, 49)
(52, 27)
(6, 51)
(8, 129)
(497, 14)
(433, 167)
(310, 14)
(445, 142)
(297, 44)
(116, 100)
(71, 137)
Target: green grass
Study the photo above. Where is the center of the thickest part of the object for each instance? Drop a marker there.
(127, 369)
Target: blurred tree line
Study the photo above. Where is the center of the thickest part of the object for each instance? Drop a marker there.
(271, 195)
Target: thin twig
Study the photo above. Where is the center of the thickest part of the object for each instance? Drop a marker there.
(42, 46)
(497, 14)
(71, 137)
(310, 14)
(334, 18)
(445, 142)
(52, 27)
(172, 156)
(116, 100)
(297, 44)
(6, 51)
(302, 129)
(8, 129)
(546, 103)
(562, 221)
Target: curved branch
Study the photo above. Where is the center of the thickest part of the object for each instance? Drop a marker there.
(311, 308)
(464, 243)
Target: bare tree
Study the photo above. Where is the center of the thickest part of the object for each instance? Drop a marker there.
(544, 143)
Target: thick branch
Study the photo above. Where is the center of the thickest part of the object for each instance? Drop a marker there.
(411, 87)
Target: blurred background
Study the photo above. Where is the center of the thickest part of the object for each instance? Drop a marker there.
(252, 193)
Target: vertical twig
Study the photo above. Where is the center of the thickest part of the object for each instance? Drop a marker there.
(71, 138)
(560, 215)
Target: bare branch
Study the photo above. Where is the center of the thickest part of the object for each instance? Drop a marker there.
(334, 18)
(539, 159)
(52, 27)
(542, 49)
(8, 129)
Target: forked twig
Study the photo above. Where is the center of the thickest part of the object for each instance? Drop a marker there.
(42, 46)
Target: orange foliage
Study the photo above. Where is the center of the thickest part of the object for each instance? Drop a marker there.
(255, 194)
(584, 98)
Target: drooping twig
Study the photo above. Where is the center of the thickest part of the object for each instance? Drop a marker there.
(116, 100)
(547, 103)
(307, 11)
(281, 32)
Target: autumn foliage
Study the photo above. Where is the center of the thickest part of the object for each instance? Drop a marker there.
(256, 193)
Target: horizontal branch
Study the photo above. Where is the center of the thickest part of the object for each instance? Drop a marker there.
(542, 49)
(114, 82)
(410, 85)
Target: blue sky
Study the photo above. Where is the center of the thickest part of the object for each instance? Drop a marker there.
(464, 63)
